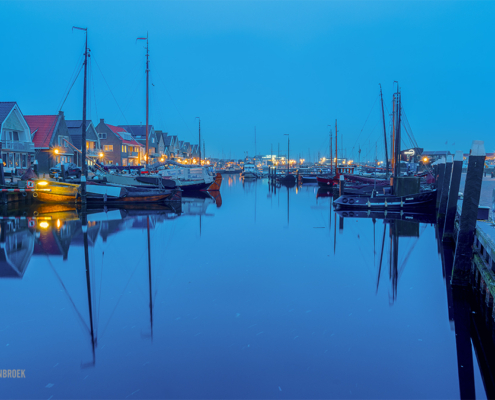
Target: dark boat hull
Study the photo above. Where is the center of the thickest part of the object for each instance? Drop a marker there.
(386, 202)
(137, 196)
(325, 180)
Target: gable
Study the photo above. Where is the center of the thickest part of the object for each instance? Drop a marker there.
(13, 123)
(42, 128)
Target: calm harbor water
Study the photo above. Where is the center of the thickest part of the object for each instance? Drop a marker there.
(262, 293)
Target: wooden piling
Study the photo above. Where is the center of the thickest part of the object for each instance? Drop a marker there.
(2, 176)
(440, 175)
(455, 183)
(469, 214)
(341, 185)
(445, 186)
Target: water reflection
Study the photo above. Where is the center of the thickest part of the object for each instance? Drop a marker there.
(265, 284)
(50, 230)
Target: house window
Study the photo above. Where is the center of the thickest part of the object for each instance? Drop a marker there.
(24, 160)
(17, 160)
(62, 141)
(124, 148)
(15, 136)
(11, 160)
(103, 135)
(108, 147)
(4, 159)
(124, 162)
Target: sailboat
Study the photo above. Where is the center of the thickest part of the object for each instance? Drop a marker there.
(287, 179)
(397, 196)
(171, 175)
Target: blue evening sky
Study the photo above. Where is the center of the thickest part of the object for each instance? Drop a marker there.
(284, 67)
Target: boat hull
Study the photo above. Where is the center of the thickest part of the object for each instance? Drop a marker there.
(421, 200)
(59, 193)
(325, 180)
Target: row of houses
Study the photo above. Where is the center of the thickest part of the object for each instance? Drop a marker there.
(51, 139)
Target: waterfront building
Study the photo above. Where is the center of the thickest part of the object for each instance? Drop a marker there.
(118, 145)
(92, 140)
(51, 140)
(138, 133)
(17, 144)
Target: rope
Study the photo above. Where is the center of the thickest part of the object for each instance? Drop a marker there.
(353, 147)
(116, 102)
(73, 82)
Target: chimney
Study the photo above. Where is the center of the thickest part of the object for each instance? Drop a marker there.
(61, 113)
(102, 121)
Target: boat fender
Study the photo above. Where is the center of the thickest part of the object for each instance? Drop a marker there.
(351, 201)
(35, 194)
(351, 214)
(24, 194)
(345, 200)
(345, 214)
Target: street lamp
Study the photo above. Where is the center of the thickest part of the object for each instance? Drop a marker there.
(199, 143)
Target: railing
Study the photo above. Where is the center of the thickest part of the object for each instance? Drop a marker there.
(17, 146)
(133, 154)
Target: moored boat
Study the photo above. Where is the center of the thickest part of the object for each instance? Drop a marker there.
(249, 172)
(60, 192)
(424, 199)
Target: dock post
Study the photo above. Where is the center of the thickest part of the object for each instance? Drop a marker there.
(2, 176)
(469, 214)
(455, 183)
(35, 168)
(62, 169)
(341, 185)
(441, 176)
(445, 186)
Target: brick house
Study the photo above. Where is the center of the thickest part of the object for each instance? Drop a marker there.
(50, 135)
(138, 132)
(118, 145)
(17, 144)
(92, 140)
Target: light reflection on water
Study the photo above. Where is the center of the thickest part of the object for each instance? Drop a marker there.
(263, 293)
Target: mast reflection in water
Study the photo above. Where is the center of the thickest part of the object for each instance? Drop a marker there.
(264, 292)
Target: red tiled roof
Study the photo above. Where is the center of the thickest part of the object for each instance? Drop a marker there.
(117, 130)
(44, 126)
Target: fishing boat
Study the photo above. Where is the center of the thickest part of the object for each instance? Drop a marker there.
(171, 176)
(119, 194)
(249, 172)
(379, 201)
(400, 195)
(57, 192)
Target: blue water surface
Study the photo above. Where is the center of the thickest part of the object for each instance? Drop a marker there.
(264, 294)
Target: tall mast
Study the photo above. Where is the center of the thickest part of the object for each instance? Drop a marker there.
(147, 98)
(83, 145)
(397, 133)
(336, 155)
(199, 139)
(384, 134)
(255, 145)
(331, 155)
(393, 134)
